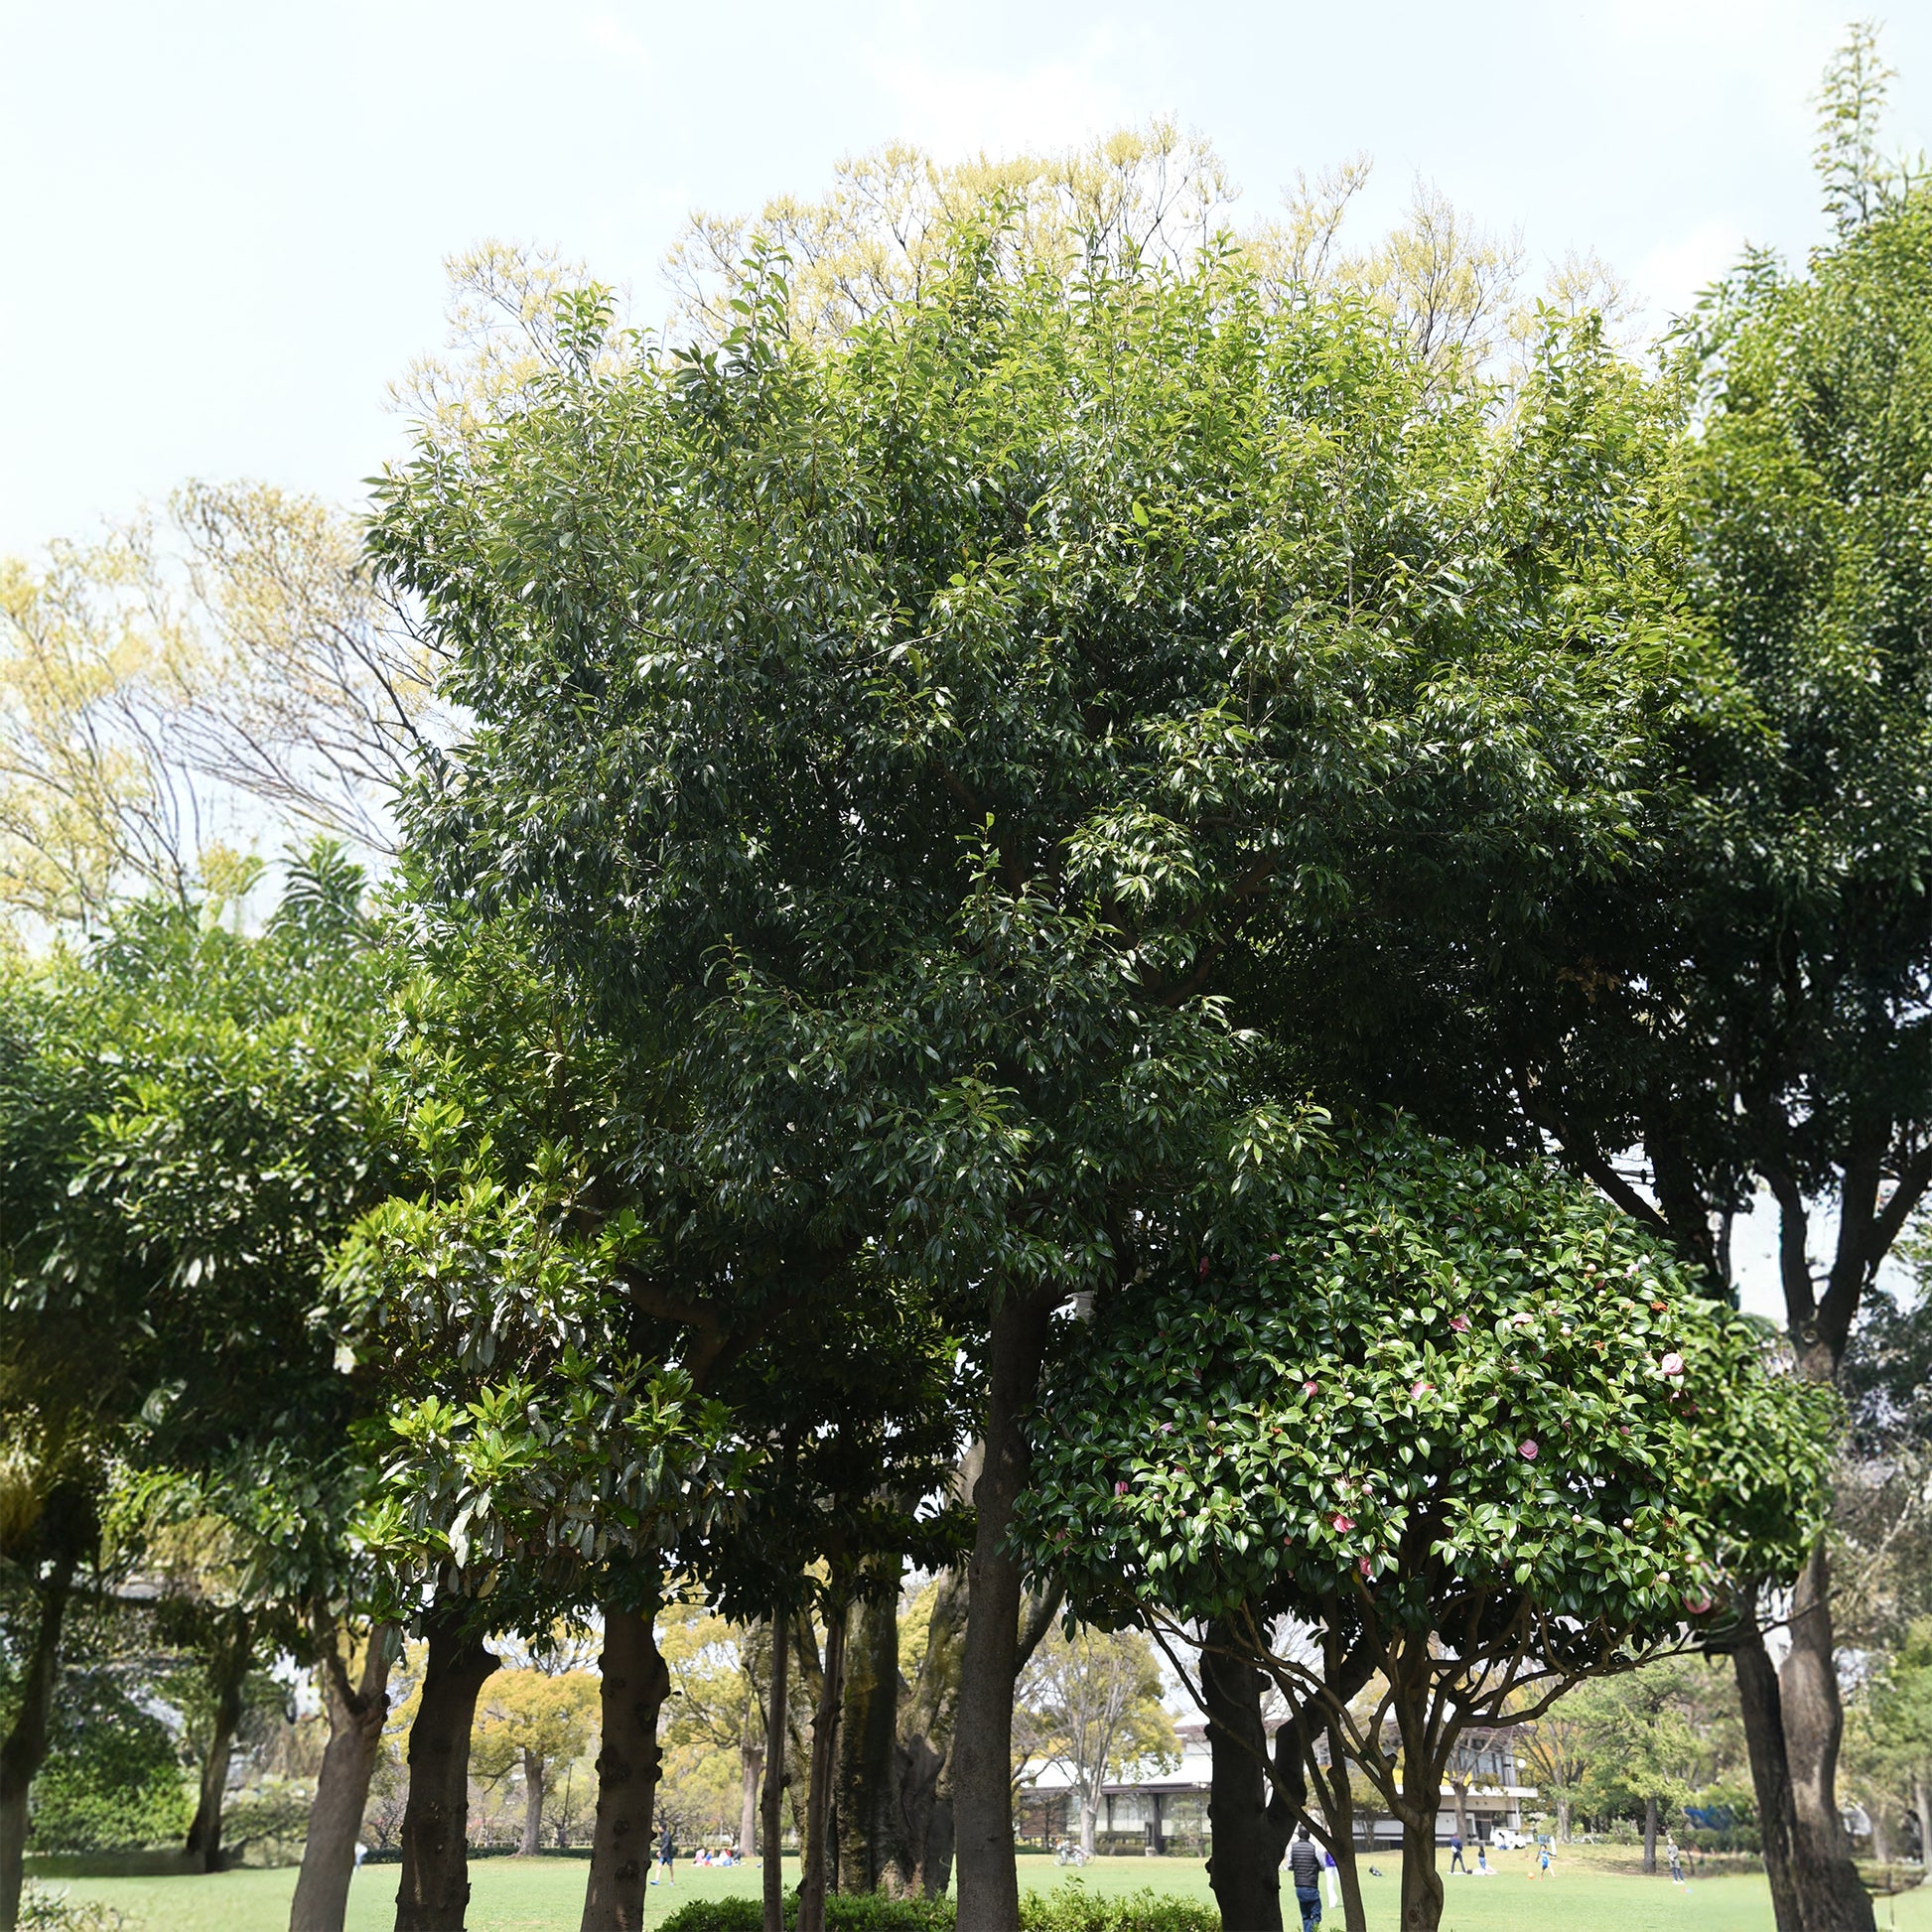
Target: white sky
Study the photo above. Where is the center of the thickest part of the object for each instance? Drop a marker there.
(224, 219)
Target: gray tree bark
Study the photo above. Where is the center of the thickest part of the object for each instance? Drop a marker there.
(357, 1715)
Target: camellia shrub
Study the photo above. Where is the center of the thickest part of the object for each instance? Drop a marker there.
(1458, 1431)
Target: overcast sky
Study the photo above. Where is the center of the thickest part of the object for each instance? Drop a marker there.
(225, 223)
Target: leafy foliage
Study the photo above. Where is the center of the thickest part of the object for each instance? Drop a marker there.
(114, 1777)
(1454, 1389)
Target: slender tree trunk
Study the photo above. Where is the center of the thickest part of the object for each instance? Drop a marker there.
(24, 1748)
(636, 1685)
(357, 1715)
(1460, 1792)
(1761, 1705)
(818, 1787)
(1650, 1836)
(1922, 1805)
(1090, 1821)
(750, 1761)
(230, 1653)
(1341, 1829)
(988, 1884)
(532, 1840)
(868, 1851)
(1248, 1820)
(1563, 1818)
(1880, 1837)
(1834, 1897)
(434, 1895)
(772, 1804)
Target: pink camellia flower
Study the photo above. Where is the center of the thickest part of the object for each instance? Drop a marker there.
(1422, 1388)
(1697, 1605)
(1461, 1323)
(1526, 1448)
(1342, 1522)
(1120, 1489)
(1672, 1364)
(1274, 1257)
(1309, 1388)
(1167, 1428)
(1365, 1566)
(1523, 1319)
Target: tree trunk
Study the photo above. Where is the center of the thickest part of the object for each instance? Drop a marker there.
(988, 1884)
(1880, 1838)
(532, 1841)
(819, 1780)
(750, 1761)
(869, 1855)
(772, 1804)
(1341, 1829)
(925, 1778)
(1460, 1792)
(230, 1653)
(636, 1685)
(1834, 1897)
(1761, 1705)
(1422, 1883)
(1922, 1804)
(434, 1895)
(1247, 1822)
(24, 1748)
(357, 1715)
(1563, 1818)
(1650, 1836)
(1089, 1817)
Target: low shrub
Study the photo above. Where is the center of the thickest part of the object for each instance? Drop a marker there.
(112, 1781)
(57, 1911)
(1071, 1907)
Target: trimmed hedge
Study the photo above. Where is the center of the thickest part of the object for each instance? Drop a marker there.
(1071, 1907)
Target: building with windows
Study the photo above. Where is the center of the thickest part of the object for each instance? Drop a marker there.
(1164, 1809)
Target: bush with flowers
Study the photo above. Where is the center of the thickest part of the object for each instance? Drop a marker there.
(1454, 1431)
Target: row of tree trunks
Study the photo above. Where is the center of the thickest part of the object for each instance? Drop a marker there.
(24, 1748)
(358, 1710)
(231, 1654)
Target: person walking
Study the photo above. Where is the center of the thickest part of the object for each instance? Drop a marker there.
(1456, 1855)
(668, 1854)
(1331, 1879)
(1304, 1867)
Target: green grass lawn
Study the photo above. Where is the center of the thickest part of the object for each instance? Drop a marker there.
(546, 1895)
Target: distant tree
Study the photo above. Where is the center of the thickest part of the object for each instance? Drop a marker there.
(1091, 1704)
(530, 1720)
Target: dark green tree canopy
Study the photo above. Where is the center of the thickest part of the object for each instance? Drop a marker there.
(1455, 1396)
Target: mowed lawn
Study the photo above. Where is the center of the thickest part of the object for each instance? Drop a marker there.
(546, 1895)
